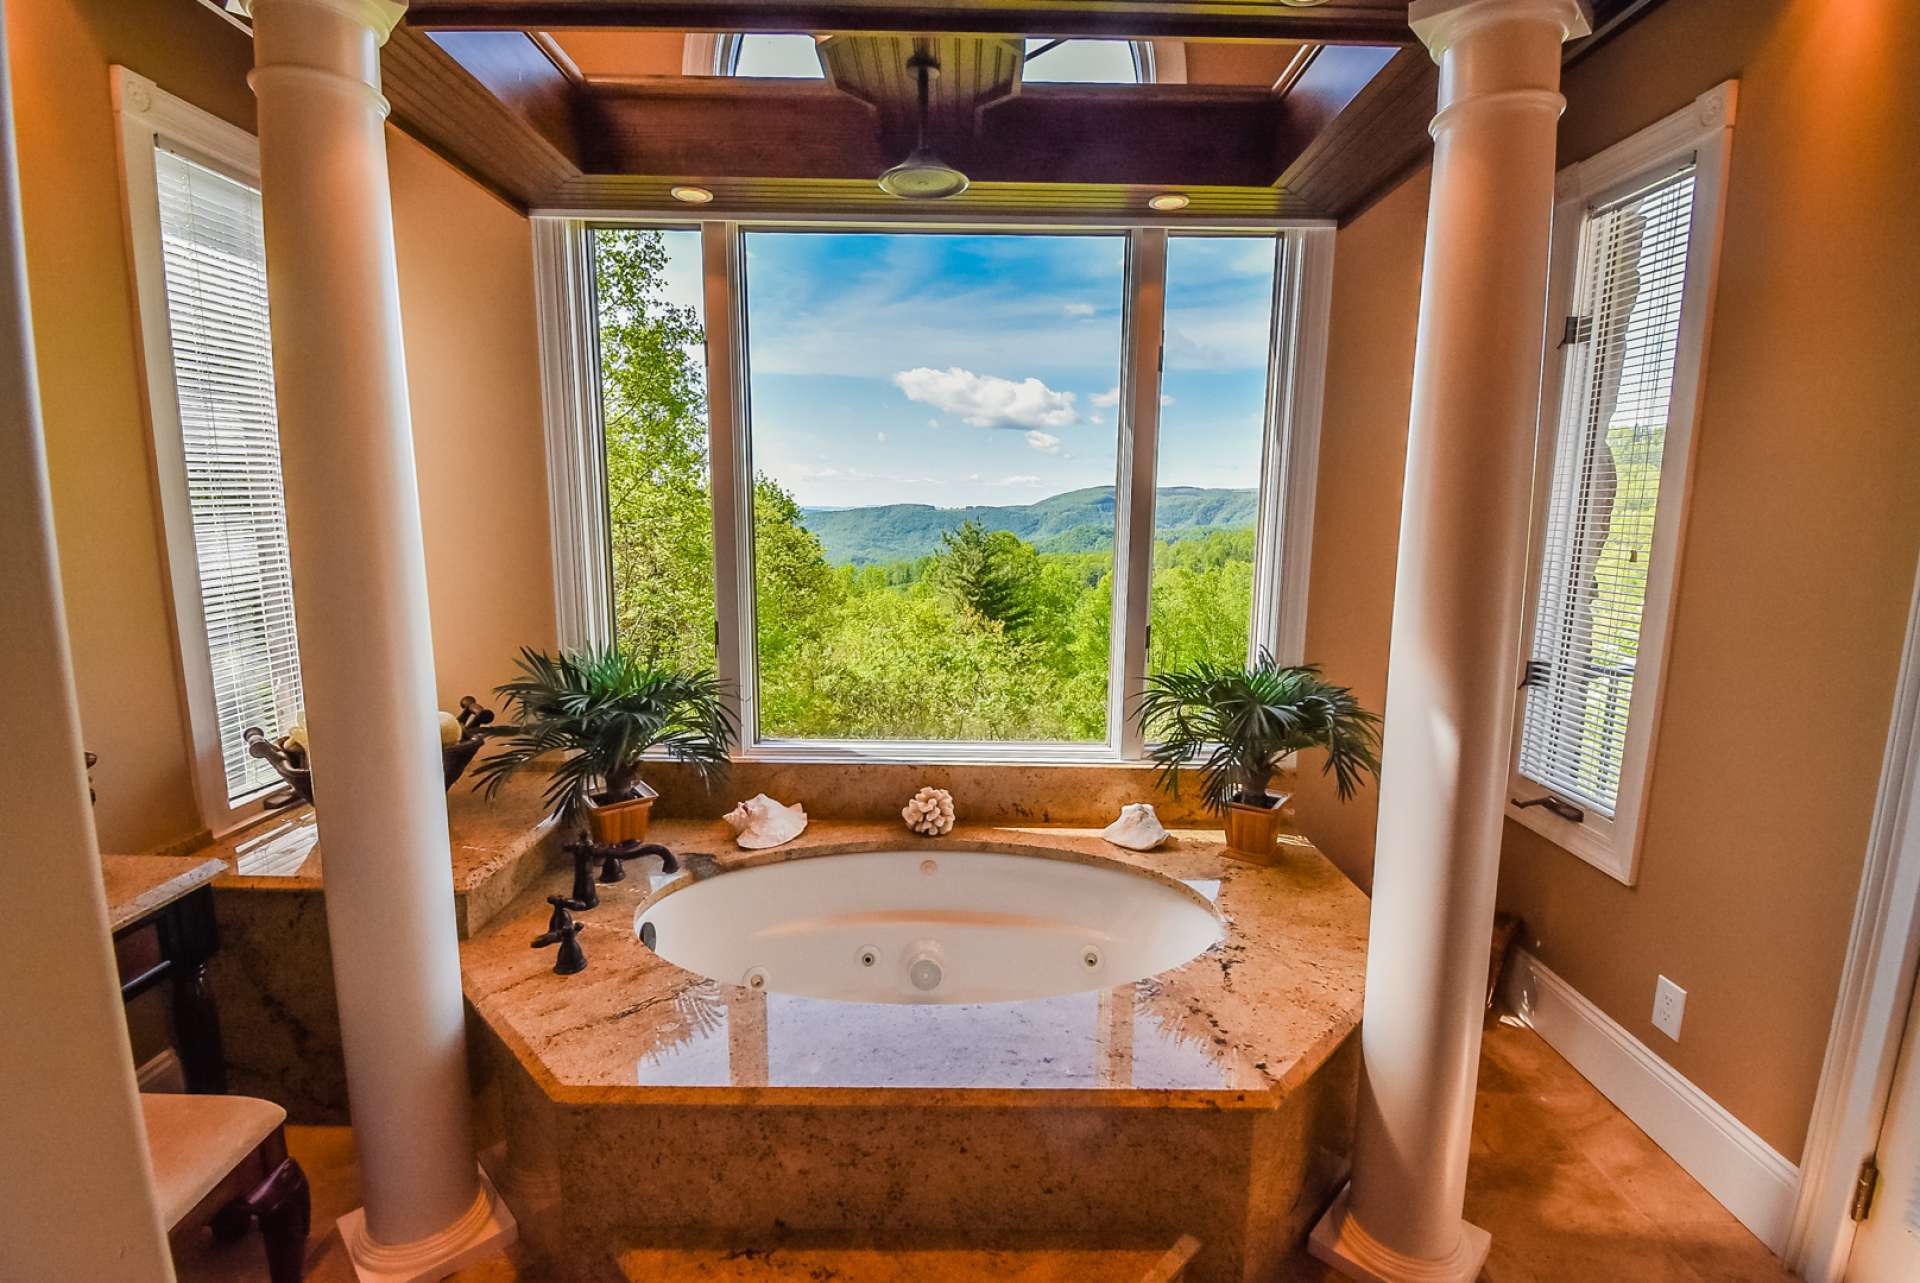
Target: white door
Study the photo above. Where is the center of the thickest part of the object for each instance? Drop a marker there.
(1887, 1249)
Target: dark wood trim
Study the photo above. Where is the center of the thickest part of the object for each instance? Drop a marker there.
(1338, 22)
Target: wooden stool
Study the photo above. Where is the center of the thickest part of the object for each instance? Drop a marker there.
(221, 1162)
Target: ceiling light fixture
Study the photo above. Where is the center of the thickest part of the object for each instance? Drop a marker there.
(1167, 202)
(687, 194)
(922, 175)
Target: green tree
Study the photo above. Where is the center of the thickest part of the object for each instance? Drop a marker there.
(988, 573)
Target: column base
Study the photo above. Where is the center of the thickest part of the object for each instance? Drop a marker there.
(1342, 1243)
(484, 1230)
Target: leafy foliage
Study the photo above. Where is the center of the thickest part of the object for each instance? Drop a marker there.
(895, 622)
(604, 709)
(1243, 718)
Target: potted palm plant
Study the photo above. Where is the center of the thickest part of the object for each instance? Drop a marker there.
(1239, 722)
(604, 709)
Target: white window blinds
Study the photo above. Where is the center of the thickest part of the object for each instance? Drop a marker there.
(1619, 350)
(216, 293)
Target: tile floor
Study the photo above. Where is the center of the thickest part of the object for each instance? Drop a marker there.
(1572, 1192)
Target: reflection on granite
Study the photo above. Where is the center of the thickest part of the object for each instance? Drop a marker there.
(138, 885)
(728, 1036)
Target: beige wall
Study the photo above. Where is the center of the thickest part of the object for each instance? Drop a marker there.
(473, 378)
(466, 282)
(1798, 560)
(1363, 454)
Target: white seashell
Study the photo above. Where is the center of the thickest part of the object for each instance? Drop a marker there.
(930, 811)
(760, 822)
(1138, 828)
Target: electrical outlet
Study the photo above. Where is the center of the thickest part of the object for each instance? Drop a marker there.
(1669, 1007)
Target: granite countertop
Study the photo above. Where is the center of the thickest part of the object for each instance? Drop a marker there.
(138, 885)
(1238, 1025)
(284, 850)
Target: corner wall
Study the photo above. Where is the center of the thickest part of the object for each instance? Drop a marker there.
(1798, 558)
(466, 280)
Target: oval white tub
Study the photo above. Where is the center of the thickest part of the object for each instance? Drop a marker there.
(920, 926)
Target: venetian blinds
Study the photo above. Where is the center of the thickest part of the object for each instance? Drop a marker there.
(216, 285)
(1618, 350)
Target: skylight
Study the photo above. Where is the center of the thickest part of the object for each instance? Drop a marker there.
(792, 57)
(1084, 62)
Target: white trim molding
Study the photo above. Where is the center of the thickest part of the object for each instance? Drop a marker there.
(1876, 990)
(576, 435)
(148, 116)
(1749, 1177)
(1700, 134)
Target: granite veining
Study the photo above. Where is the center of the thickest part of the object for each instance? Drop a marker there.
(1279, 991)
(138, 885)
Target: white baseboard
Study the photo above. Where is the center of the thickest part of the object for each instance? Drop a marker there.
(1747, 1175)
(162, 1073)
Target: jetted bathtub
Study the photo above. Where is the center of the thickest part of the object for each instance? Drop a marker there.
(906, 926)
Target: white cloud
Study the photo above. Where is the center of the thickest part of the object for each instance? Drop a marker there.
(1079, 309)
(1110, 397)
(933, 423)
(879, 436)
(1044, 442)
(1165, 399)
(987, 400)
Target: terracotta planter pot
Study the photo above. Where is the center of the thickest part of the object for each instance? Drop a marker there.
(622, 821)
(1253, 830)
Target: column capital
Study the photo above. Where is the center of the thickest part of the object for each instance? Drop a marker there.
(1441, 24)
(378, 16)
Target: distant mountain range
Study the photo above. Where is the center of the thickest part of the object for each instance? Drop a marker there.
(1077, 521)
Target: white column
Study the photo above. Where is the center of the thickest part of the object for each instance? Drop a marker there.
(366, 651)
(1455, 643)
(76, 1189)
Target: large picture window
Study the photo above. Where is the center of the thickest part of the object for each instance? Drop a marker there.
(931, 492)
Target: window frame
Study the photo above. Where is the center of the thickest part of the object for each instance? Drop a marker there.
(1700, 132)
(575, 434)
(149, 117)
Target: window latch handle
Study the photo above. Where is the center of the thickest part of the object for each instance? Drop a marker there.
(1565, 810)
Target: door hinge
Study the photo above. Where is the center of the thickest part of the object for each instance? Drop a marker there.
(1864, 1186)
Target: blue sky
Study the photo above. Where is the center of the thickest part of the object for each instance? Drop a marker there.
(964, 369)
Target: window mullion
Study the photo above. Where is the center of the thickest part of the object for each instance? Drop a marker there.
(730, 460)
(1134, 491)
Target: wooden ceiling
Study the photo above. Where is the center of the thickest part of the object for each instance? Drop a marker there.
(483, 83)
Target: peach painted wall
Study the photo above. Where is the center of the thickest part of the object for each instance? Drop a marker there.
(1363, 454)
(1798, 559)
(466, 284)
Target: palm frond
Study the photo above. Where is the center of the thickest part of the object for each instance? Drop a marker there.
(605, 708)
(1238, 722)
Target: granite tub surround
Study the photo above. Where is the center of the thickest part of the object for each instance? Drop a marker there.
(1214, 1099)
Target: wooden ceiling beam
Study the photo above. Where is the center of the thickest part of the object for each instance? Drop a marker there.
(1381, 22)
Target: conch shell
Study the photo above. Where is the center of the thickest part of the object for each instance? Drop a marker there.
(760, 822)
(1137, 829)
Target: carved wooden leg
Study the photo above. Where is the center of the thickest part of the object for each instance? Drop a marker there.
(283, 1207)
(196, 1030)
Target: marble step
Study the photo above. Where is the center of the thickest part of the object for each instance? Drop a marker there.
(853, 1265)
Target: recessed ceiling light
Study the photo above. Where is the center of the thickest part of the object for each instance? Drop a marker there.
(689, 195)
(1167, 202)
